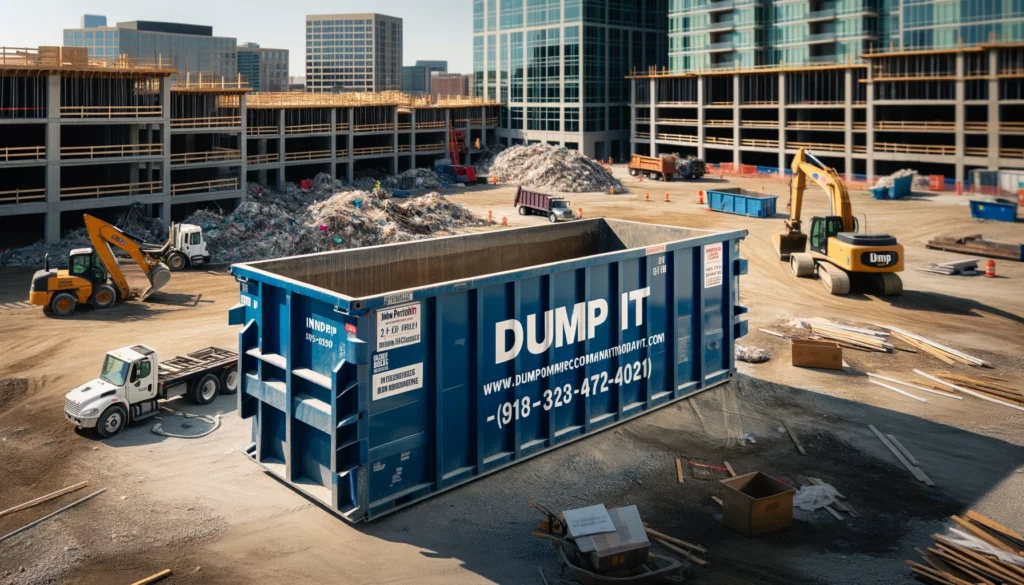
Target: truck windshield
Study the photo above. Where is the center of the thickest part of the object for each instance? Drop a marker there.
(559, 203)
(114, 371)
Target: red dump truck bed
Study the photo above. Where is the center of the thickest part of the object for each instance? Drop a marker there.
(653, 167)
(537, 203)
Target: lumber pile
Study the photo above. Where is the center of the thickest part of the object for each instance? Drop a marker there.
(977, 245)
(957, 267)
(989, 386)
(850, 337)
(946, 354)
(976, 550)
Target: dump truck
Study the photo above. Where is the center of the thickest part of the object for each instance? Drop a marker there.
(653, 167)
(537, 203)
(133, 380)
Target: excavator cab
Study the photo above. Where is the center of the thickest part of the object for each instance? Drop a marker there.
(85, 263)
(823, 228)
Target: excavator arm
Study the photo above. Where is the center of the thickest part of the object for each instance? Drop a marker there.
(794, 240)
(104, 235)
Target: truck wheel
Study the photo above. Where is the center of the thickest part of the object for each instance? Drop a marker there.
(633, 172)
(111, 422)
(176, 261)
(652, 176)
(522, 210)
(552, 218)
(229, 381)
(104, 297)
(206, 389)
(63, 304)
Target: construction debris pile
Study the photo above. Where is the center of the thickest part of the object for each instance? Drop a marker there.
(689, 165)
(890, 180)
(958, 267)
(133, 221)
(272, 224)
(554, 168)
(977, 550)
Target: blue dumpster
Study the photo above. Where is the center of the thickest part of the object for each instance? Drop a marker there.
(880, 192)
(998, 210)
(377, 377)
(901, 187)
(742, 202)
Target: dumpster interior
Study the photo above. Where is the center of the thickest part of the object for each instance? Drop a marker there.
(378, 270)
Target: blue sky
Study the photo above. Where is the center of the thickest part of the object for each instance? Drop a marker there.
(434, 29)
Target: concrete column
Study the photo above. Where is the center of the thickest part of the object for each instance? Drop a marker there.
(133, 140)
(469, 144)
(243, 146)
(412, 138)
(350, 159)
(700, 117)
(52, 229)
(334, 139)
(149, 140)
(652, 127)
(848, 121)
(280, 149)
(483, 126)
(165, 137)
(959, 114)
(261, 149)
(394, 139)
(782, 124)
(632, 116)
(994, 118)
(736, 120)
(869, 135)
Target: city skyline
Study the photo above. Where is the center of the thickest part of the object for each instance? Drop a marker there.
(31, 28)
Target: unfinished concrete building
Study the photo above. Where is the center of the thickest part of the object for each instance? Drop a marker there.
(941, 111)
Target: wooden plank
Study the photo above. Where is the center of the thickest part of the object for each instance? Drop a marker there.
(989, 538)
(679, 470)
(935, 576)
(903, 449)
(717, 500)
(1014, 573)
(792, 436)
(897, 390)
(963, 565)
(43, 499)
(915, 470)
(775, 333)
(51, 515)
(993, 525)
(941, 347)
(915, 386)
(832, 511)
(687, 545)
(971, 392)
(934, 352)
(695, 560)
(543, 578)
(154, 577)
(729, 467)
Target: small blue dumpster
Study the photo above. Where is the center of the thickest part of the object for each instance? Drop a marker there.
(998, 210)
(742, 202)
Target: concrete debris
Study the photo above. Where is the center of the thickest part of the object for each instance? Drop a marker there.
(273, 225)
(133, 221)
(553, 168)
(752, 355)
(889, 180)
(689, 165)
(958, 267)
(484, 160)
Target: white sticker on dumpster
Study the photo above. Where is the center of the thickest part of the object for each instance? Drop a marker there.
(398, 326)
(713, 265)
(397, 381)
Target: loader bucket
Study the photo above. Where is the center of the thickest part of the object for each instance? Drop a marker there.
(786, 244)
(159, 276)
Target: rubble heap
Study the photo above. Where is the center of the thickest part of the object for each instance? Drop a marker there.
(888, 181)
(554, 168)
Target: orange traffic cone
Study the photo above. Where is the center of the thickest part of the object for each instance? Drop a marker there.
(579, 212)
(504, 221)
(666, 197)
(490, 217)
(647, 196)
(700, 197)
(990, 269)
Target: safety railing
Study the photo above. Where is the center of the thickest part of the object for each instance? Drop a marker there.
(677, 102)
(640, 120)
(182, 158)
(824, 146)
(429, 125)
(476, 121)
(813, 125)
(8, 153)
(759, 143)
(684, 138)
(228, 184)
(260, 159)
(491, 121)
(372, 127)
(682, 121)
(372, 150)
(405, 125)
(759, 123)
(717, 140)
(913, 125)
(914, 148)
(261, 130)
(15, 196)
(341, 127)
(307, 155)
(111, 111)
(430, 147)
(1011, 152)
(207, 122)
(976, 151)
(404, 148)
(307, 129)
(112, 150)
(759, 103)
(643, 134)
(144, 188)
(1011, 126)
(860, 125)
(718, 122)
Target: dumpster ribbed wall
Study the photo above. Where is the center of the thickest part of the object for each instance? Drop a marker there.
(369, 403)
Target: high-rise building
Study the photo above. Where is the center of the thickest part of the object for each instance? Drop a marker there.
(560, 67)
(415, 79)
(353, 52)
(449, 84)
(93, 21)
(869, 86)
(265, 69)
(432, 67)
(191, 49)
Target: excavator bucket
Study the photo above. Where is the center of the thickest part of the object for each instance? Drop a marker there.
(789, 243)
(159, 276)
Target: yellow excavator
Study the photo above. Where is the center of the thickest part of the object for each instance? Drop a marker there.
(839, 256)
(93, 275)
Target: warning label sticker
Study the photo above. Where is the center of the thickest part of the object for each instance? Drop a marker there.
(713, 265)
(397, 381)
(398, 326)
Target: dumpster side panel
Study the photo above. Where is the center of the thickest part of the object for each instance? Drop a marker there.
(369, 410)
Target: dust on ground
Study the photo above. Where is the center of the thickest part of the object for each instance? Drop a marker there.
(202, 509)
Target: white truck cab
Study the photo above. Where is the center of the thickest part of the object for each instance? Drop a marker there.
(185, 247)
(132, 380)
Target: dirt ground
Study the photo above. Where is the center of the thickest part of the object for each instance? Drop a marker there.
(200, 508)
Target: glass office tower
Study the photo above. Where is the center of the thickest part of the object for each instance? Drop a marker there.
(353, 52)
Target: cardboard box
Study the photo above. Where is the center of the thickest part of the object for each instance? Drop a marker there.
(754, 504)
(817, 354)
(626, 547)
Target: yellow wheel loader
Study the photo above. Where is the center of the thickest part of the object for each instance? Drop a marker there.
(839, 256)
(93, 275)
